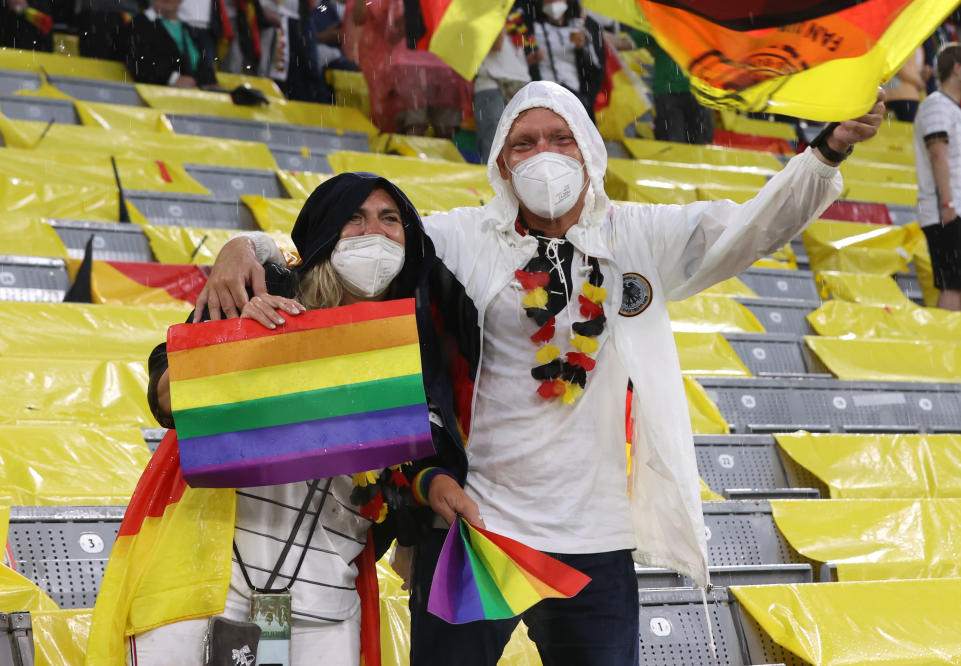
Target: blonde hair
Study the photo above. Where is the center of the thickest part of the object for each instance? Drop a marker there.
(319, 287)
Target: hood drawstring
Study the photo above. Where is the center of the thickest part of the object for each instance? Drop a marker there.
(707, 619)
(557, 264)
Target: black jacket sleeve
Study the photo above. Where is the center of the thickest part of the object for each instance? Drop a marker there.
(154, 55)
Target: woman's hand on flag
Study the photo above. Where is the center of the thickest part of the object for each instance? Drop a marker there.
(266, 309)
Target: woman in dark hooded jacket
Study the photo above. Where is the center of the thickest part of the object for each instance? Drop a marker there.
(360, 239)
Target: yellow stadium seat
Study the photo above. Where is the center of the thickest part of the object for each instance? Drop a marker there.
(875, 539)
(708, 355)
(889, 360)
(862, 248)
(273, 214)
(890, 622)
(19, 594)
(82, 331)
(731, 287)
(706, 418)
(60, 636)
(735, 122)
(901, 194)
(698, 175)
(423, 147)
(201, 102)
(29, 235)
(860, 288)
(350, 89)
(900, 153)
(65, 464)
(122, 117)
(878, 173)
(192, 245)
(412, 170)
(879, 465)
(738, 194)
(650, 191)
(863, 320)
(174, 148)
(82, 392)
(752, 161)
(299, 184)
(708, 314)
(60, 65)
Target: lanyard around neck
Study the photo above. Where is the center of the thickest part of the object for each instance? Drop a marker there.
(305, 507)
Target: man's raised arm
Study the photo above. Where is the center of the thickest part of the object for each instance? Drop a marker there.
(705, 242)
(238, 265)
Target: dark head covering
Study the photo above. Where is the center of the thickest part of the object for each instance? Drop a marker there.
(329, 208)
(315, 234)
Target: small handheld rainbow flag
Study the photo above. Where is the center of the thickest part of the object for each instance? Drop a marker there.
(331, 392)
(39, 20)
(485, 576)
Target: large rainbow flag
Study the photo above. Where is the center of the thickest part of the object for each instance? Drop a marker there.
(485, 576)
(331, 392)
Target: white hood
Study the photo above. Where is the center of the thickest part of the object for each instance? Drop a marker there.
(502, 210)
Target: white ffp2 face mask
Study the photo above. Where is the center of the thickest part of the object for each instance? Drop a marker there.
(555, 10)
(548, 184)
(367, 264)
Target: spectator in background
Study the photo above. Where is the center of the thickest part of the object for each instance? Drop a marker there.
(677, 115)
(904, 89)
(27, 24)
(409, 89)
(103, 27)
(289, 53)
(573, 49)
(937, 157)
(203, 17)
(245, 52)
(164, 51)
(327, 22)
(503, 72)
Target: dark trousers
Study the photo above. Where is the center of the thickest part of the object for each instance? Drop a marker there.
(305, 79)
(597, 627)
(903, 109)
(679, 118)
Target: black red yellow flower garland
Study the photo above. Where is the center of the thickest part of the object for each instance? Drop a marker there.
(564, 376)
(374, 491)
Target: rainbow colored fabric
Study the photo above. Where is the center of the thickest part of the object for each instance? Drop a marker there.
(331, 392)
(485, 576)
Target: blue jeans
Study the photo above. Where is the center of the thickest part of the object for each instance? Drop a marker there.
(597, 627)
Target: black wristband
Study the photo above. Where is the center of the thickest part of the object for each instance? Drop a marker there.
(821, 143)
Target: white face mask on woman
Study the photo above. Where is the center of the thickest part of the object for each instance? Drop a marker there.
(367, 264)
(555, 10)
(548, 184)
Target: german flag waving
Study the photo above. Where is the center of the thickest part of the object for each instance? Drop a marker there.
(815, 59)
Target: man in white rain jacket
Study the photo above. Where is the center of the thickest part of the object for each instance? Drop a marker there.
(566, 301)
